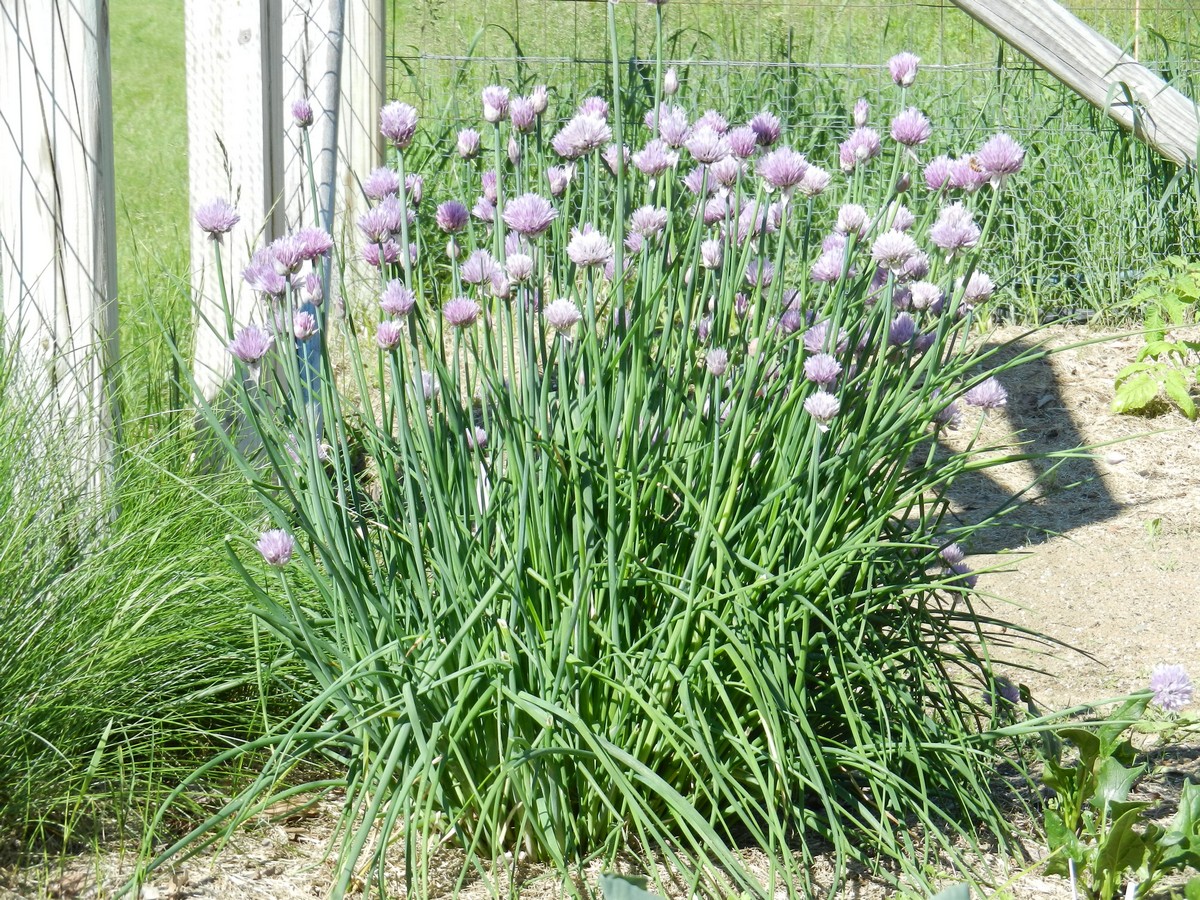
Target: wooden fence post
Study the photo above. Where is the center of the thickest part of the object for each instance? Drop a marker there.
(57, 217)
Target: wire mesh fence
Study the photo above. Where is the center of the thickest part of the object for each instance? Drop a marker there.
(1096, 208)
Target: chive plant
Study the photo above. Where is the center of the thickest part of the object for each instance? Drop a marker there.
(634, 538)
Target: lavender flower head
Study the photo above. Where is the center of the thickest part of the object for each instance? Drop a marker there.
(716, 361)
(452, 216)
(822, 369)
(654, 158)
(862, 111)
(381, 183)
(714, 120)
(766, 126)
(468, 143)
(707, 145)
(529, 215)
(304, 325)
(903, 67)
(671, 82)
(389, 334)
(648, 221)
(911, 128)
(461, 312)
(522, 114)
(1171, 687)
(580, 136)
(742, 141)
(562, 315)
(480, 266)
(495, 103)
(397, 300)
(822, 406)
(398, 123)
(711, 252)
(484, 210)
(893, 249)
(539, 97)
(937, 173)
(250, 344)
(902, 330)
(311, 243)
(593, 106)
(924, 294)
(559, 177)
(783, 169)
(217, 217)
(814, 182)
(519, 267)
(302, 112)
(979, 287)
(276, 547)
(967, 175)
(589, 247)
(611, 157)
(817, 337)
(852, 218)
(955, 229)
(999, 158)
(989, 394)
(862, 146)
(673, 127)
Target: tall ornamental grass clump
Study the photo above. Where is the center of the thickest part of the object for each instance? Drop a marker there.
(630, 527)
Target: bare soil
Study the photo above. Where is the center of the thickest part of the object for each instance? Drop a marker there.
(1100, 559)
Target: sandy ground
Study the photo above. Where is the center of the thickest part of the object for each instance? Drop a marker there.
(1104, 567)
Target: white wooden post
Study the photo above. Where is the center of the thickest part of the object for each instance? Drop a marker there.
(57, 217)
(1096, 68)
(235, 151)
(248, 60)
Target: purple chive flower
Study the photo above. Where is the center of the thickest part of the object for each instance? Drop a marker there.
(671, 82)
(217, 217)
(519, 267)
(398, 123)
(862, 111)
(378, 255)
(1171, 687)
(829, 265)
(250, 344)
(477, 438)
(484, 210)
(514, 150)
(522, 114)
(414, 190)
(742, 141)
(312, 242)
(989, 394)
(673, 127)
(495, 103)
(822, 406)
(304, 325)
(559, 177)
(817, 337)
(911, 128)
(580, 136)
(716, 361)
(529, 215)
(648, 221)
(276, 547)
(468, 143)
(955, 229)
(862, 146)
(902, 217)
(714, 120)
(782, 169)
(589, 247)
(711, 252)
(428, 386)
(1000, 157)
(460, 312)
(715, 209)
(382, 182)
(1005, 691)
(610, 157)
(480, 266)
(979, 288)
(822, 369)
(697, 181)
(967, 175)
(487, 184)
(952, 554)
(389, 334)
(814, 182)
(902, 330)
(765, 126)
(397, 299)
(937, 173)
(452, 216)
(727, 171)
(562, 315)
(924, 294)
(593, 106)
(893, 249)
(962, 577)
(706, 145)
(704, 329)
(302, 112)
(760, 273)
(903, 67)
(312, 290)
(655, 158)
(539, 97)
(852, 218)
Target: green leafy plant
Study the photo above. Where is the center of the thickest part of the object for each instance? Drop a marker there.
(1098, 837)
(1168, 365)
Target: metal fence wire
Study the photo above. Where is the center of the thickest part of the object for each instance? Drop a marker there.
(1096, 210)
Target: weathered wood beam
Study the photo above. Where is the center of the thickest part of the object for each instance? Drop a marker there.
(1096, 68)
(58, 219)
